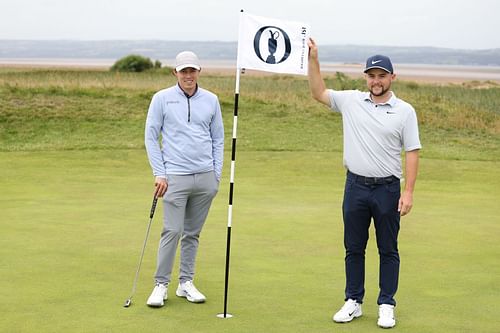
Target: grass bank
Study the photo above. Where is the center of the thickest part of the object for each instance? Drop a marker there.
(62, 109)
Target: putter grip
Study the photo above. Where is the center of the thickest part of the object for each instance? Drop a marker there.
(153, 207)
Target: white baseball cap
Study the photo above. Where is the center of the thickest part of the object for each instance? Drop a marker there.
(187, 59)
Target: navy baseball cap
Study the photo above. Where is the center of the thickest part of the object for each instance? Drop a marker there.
(379, 61)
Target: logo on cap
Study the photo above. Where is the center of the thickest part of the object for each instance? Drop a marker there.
(379, 61)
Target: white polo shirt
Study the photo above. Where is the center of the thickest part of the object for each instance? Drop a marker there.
(375, 134)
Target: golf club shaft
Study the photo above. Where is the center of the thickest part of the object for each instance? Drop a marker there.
(151, 214)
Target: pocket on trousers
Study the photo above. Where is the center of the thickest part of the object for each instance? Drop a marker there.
(349, 183)
(394, 187)
(216, 183)
(212, 183)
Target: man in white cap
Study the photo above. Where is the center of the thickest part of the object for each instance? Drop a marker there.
(377, 127)
(187, 167)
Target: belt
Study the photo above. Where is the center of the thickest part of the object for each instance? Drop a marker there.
(373, 180)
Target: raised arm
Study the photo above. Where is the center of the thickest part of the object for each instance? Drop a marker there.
(316, 83)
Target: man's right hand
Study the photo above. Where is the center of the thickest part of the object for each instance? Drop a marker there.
(161, 186)
(313, 49)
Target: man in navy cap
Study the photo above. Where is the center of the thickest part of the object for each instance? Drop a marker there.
(377, 127)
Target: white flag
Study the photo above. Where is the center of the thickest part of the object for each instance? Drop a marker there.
(272, 45)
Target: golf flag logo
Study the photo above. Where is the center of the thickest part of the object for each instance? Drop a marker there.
(272, 45)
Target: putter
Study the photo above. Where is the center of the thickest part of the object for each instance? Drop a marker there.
(128, 302)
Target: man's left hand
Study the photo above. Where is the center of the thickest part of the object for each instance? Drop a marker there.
(405, 203)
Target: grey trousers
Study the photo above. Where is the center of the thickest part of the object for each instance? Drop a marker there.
(185, 209)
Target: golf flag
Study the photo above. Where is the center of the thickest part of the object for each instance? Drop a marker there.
(272, 45)
(267, 45)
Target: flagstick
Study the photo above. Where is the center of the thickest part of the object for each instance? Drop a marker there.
(231, 189)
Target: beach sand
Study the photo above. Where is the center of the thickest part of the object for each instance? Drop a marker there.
(440, 74)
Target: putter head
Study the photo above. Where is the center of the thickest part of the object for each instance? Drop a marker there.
(127, 303)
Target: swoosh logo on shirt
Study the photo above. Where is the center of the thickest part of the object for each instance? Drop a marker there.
(375, 62)
(390, 112)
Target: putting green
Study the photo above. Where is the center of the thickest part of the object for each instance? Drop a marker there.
(73, 223)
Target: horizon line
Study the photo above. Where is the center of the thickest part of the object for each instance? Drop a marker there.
(231, 42)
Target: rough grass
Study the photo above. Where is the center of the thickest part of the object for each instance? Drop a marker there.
(62, 109)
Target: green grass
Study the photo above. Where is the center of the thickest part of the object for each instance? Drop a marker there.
(75, 190)
(67, 110)
(73, 223)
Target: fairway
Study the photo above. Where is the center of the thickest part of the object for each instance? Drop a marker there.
(73, 223)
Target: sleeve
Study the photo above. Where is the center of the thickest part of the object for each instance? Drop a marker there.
(217, 134)
(338, 98)
(411, 139)
(154, 124)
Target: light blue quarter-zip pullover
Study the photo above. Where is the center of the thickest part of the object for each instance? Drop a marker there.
(191, 130)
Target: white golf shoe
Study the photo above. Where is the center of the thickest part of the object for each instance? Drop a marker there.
(188, 290)
(350, 310)
(158, 296)
(386, 316)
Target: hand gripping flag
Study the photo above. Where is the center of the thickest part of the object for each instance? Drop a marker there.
(272, 45)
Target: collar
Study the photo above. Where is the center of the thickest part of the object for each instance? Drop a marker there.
(185, 93)
(391, 102)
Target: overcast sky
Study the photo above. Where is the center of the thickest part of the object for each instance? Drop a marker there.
(441, 23)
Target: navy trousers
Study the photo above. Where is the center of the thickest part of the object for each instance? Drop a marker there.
(366, 198)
